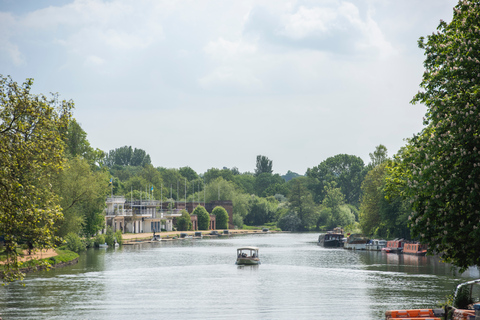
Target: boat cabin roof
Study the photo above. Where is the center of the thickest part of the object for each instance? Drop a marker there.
(248, 248)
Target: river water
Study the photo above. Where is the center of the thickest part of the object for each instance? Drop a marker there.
(198, 279)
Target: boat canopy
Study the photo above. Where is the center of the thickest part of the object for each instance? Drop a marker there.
(248, 248)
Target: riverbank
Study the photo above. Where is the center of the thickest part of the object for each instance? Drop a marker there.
(131, 238)
(47, 258)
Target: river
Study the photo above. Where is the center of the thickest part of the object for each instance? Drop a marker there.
(198, 279)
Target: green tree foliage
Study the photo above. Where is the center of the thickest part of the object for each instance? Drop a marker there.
(82, 197)
(264, 165)
(203, 218)
(335, 213)
(379, 156)
(188, 173)
(77, 145)
(119, 237)
(442, 171)
(221, 217)
(126, 156)
(290, 175)
(261, 211)
(74, 243)
(290, 222)
(214, 173)
(372, 197)
(219, 189)
(237, 220)
(173, 183)
(31, 151)
(379, 216)
(346, 170)
(267, 184)
(302, 204)
(245, 183)
(184, 223)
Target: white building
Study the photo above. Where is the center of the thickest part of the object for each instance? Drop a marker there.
(138, 216)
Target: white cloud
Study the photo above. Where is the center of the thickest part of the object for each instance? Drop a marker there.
(8, 25)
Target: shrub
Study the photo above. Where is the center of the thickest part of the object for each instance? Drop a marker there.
(118, 237)
(99, 239)
(74, 243)
(109, 237)
(221, 217)
(289, 222)
(203, 218)
(184, 223)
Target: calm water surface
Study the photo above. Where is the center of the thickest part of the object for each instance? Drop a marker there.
(197, 279)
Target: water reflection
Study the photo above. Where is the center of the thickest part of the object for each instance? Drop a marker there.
(199, 279)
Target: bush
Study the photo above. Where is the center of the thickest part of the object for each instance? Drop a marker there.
(99, 239)
(289, 222)
(89, 242)
(203, 218)
(118, 237)
(184, 223)
(109, 237)
(74, 243)
(221, 217)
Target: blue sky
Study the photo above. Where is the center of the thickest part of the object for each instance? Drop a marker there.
(215, 83)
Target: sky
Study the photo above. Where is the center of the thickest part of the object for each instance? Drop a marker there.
(212, 84)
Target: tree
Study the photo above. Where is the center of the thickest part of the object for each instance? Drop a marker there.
(173, 183)
(346, 170)
(126, 156)
(266, 180)
(214, 173)
(372, 194)
(289, 222)
(219, 189)
(442, 171)
(76, 144)
(379, 156)
(184, 223)
(261, 211)
(221, 217)
(31, 151)
(245, 182)
(290, 175)
(188, 173)
(301, 202)
(336, 213)
(82, 194)
(264, 165)
(203, 218)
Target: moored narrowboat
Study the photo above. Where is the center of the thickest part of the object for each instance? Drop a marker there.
(331, 240)
(356, 242)
(394, 246)
(376, 245)
(415, 249)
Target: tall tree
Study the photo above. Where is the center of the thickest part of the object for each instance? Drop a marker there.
(31, 151)
(126, 156)
(442, 171)
(372, 195)
(264, 165)
(346, 170)
(301, 202)
(76, 144)
(188, 173)
(82, 194)
(379, 156)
